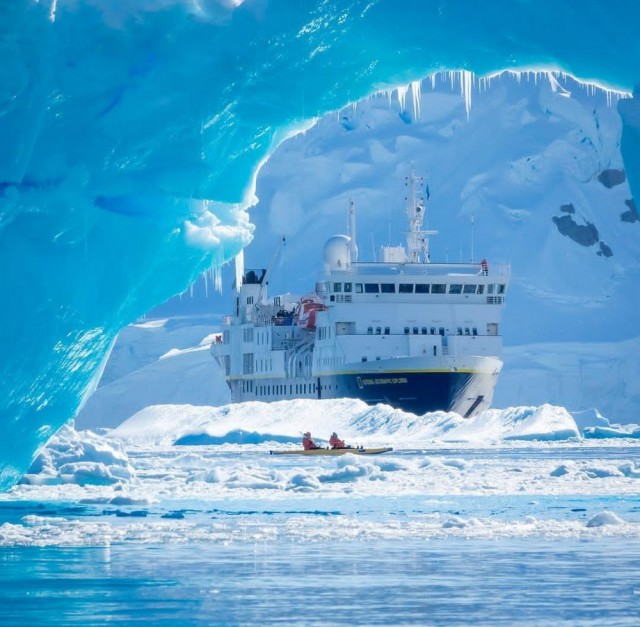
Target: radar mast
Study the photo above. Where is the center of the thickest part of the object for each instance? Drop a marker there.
(417, 238)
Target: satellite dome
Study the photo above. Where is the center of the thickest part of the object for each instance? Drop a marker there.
(336, 252)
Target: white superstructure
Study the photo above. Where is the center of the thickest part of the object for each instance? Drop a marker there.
(417, 335)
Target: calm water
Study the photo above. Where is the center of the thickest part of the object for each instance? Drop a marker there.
(505, 582)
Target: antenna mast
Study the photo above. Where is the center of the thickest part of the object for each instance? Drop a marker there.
(353, 247)
(472, 223)
(417, 239)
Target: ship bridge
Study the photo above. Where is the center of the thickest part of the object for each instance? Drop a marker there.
(472, 283)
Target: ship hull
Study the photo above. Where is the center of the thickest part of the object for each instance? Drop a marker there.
(464, 385)
(465, 393)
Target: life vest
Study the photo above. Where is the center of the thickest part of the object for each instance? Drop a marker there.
(308, 444)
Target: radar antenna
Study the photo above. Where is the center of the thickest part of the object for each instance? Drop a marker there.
(417, 238)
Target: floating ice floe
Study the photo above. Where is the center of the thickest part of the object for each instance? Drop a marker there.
(82, 458)
(605, 518)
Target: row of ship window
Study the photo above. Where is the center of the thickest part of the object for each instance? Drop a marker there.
(419, 288)
(281, 389)
(423, 331)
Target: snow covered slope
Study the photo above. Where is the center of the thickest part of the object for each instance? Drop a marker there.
(156, 362)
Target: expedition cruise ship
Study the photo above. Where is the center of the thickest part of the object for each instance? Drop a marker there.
(416, 335)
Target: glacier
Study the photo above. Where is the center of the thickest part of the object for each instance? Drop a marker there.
(133, 133)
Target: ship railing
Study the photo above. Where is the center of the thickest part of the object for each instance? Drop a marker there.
(282, 321)
(427, 269)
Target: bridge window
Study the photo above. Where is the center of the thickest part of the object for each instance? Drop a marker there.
(406, 330)
(387, 330)
(415, 330)
(466, 331)
(337, 287)
(475, 331)
(439, 288)
(490, 288)
(455, 288)
(433, 330)
(424, 330)
(405, 288)
(441, 330)
(371, 288)
(358, 288)
(388, 288)
(422, 288)
(378, 330)
(347, 287)
(369, 330)
(469, 289)
(480, 289)
(501, 288)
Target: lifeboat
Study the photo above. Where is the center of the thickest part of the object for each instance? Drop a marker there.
(307, 310)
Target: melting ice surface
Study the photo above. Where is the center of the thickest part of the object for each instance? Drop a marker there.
(527, 510)
(132, 133)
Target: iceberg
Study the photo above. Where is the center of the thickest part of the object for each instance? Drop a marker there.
(133, 133)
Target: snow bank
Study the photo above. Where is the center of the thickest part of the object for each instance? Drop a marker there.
(614, 431)
(80, 457)
(577, 375)
(545, 423)
(177, 376)
(283, 422)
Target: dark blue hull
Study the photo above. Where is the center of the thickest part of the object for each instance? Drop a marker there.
(415, 392)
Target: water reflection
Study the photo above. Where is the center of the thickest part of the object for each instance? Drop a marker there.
(504, 582)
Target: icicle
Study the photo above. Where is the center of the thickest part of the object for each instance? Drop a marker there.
(466, 84)
(239, 265)
(216, 278)
(416, 96)
(402, 96)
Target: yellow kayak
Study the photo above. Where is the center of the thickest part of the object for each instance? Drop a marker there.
(334, 451)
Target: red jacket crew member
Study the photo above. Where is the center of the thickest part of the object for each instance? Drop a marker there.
(308, 443)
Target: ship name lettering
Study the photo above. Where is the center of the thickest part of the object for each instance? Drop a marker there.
(387, 381)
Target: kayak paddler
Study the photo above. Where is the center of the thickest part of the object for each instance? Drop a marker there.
(308, 443)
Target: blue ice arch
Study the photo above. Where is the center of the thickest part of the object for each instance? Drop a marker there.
(131, 132)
